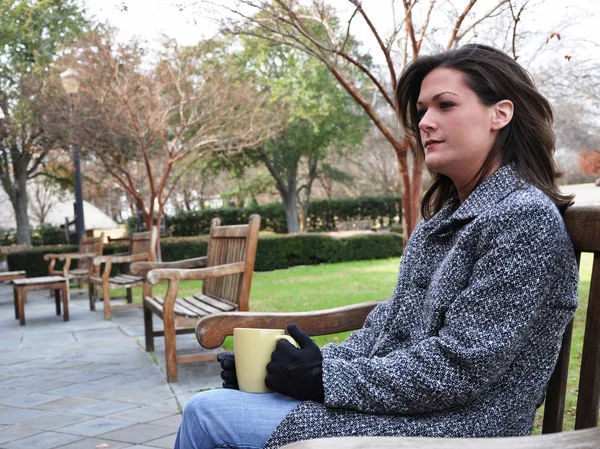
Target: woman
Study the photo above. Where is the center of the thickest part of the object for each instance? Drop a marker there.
(487, 284)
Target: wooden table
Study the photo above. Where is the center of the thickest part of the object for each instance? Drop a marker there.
(56, 283)
(11, 275)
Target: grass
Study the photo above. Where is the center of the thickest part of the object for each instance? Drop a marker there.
(333, 285)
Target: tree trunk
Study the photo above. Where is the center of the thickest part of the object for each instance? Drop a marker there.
(19, 203)
(291, 212)
(312, 175)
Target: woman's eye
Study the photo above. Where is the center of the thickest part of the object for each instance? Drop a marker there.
(446, 105)
(421, 113)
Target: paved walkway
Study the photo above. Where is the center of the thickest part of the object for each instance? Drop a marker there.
(88, 383)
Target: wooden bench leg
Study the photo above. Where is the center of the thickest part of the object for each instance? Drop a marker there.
(65, 298)
(106, 299)
(148, 330)
(92, 294)
(129, 296)
(16, 304)
(57, 300)
(21, 300)
(171, 350)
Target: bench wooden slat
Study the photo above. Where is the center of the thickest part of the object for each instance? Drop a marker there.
(581, 439)
(199, 303)
(11, 275)
(153, 305)
(220, 305)
(195, 312)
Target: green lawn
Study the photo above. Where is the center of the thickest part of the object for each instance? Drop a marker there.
(333, 285)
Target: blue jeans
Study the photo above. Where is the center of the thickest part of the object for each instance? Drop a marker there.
(226, 418)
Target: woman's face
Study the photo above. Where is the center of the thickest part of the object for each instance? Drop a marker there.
(457, 130)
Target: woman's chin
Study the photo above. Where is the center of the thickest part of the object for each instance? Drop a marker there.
(435, 163)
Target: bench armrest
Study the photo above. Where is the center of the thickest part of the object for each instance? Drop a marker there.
(197, 262)
(212, 329)
(121, 258)
(71, 256)
(199, 274)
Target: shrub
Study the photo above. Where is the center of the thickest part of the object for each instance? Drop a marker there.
(274, 252)
(7, 236)
(47, 234)
(322, 215)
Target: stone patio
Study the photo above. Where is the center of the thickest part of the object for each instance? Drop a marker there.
(88, 383)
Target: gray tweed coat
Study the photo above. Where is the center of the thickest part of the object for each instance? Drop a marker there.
(471, 334)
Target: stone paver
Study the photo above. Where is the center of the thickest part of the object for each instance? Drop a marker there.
(139, 433)
(87, 382)
(95, 443)
(165, 442)
(96, 426)
(44, 440)
(12, 433)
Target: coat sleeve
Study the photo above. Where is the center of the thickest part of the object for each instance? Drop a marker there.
(361, 343)
(525, 280)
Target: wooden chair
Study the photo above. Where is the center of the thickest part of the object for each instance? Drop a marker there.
(141, 248)
(227, 274)
(89, 248)
(583, 225)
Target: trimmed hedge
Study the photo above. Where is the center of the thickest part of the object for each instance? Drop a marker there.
(274, 252)
(322, 215)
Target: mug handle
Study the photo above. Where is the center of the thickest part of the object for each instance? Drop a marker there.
(288, 338)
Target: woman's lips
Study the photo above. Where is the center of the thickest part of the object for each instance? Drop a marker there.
(430, 144)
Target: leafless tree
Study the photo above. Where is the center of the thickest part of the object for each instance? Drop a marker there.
(149, 120)
(412, 26)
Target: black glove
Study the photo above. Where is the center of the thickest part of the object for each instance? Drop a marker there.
(229, 376)
(296, 372)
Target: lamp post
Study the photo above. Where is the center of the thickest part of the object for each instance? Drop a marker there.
(71, 83)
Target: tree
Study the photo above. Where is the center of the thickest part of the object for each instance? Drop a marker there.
(32, 32)
(43, 195)
(320, 117)
(318, 29)
(589, 162)
(148, 123)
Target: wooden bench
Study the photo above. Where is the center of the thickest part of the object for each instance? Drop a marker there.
(580, 439)
(583, 226)
(141, 248)
(58, 284)
(4, 250)
(227, 274)
(11, 275)
(357, 225)
(89, 248)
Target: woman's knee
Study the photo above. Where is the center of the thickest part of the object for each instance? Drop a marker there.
(203, 405)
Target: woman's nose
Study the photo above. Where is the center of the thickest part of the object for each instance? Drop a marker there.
(426, 122)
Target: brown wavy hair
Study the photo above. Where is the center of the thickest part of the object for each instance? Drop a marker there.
(528, 141)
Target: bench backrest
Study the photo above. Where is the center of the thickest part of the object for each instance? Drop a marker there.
(4, 250)
(92, 245)
(583, 225)
(143, 242)
(231, 244)
(358, 225)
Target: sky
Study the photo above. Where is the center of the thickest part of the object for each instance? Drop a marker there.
(149, 18)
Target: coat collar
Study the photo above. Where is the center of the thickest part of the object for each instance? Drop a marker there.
(485, 196)
(490, 192)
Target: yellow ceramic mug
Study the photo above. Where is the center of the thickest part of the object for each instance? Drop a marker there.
(253, 349)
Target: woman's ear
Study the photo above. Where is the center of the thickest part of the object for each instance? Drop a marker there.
(502, 114)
